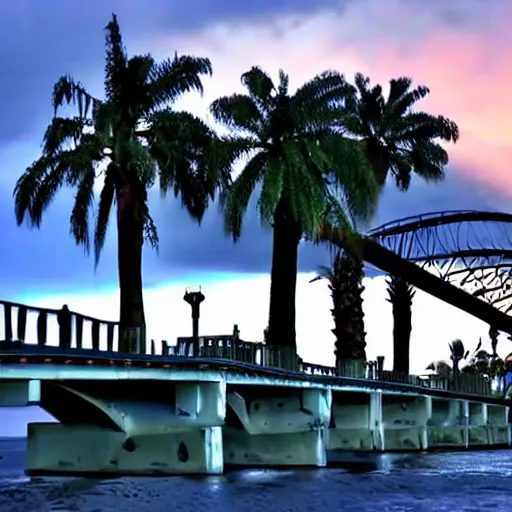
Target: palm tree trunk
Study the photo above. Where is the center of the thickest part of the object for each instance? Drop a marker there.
(130, 226)
(401, 295)
(402, 327)
(281, 323)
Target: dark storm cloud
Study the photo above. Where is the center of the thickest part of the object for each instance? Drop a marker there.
(42, 39)
(207, 248)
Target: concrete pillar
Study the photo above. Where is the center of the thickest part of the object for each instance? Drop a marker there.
(287, 428)
(293, 449)
(509, 428)
(376, 423)
(54, 448)
(424, 428)
(20, 393)
(465, 421)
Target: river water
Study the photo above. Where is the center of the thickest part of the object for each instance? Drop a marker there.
(456, 482)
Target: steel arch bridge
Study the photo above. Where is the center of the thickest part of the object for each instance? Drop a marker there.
(469, 249)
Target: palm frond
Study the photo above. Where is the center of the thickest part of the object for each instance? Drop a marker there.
(79, 220)
(401, 98)
(37, 187)
(115, 62)
(260, 87)
(238, 112)
(68, 91)
(61, 131)
(189, 159)
(353, 179)
(235, 199)
(28, 188)
(107, 198)
(318, 103)
(150, 231)
(170, 79)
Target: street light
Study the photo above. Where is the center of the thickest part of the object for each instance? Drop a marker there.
(194, 297)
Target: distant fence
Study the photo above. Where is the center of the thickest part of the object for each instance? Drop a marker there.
(69, 330)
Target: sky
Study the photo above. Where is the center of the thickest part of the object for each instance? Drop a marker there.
(461, 49)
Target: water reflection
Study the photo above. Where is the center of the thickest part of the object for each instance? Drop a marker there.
(464, 481)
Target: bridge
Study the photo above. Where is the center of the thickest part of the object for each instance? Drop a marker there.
(209, 402)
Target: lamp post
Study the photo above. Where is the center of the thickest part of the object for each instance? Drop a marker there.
(194, 297)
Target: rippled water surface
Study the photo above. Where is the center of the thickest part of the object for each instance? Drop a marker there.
(462, 482)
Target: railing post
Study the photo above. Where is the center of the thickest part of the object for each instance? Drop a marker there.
(64, 321)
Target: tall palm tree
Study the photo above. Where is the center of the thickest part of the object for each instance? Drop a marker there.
(401, 295)
(131, 138)
(303, 169)
(344, 278)
(399, 140)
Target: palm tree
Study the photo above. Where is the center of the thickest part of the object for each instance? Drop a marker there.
(399, 140)
(303, 169)
(441, 368)
(130, 139)
(401, 295)
(457, 354)
(344, 278)
(493, 335)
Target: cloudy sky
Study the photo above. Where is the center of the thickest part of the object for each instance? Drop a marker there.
(461, 49)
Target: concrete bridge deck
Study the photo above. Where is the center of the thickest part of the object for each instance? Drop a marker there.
(215, 401)
(149, 414)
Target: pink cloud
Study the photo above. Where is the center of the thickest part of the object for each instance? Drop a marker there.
(463, 53)
(470, 81)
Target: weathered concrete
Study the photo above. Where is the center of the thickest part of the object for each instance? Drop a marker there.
(195, 420)
(19, 393)
(292, 449)
(79, 449)
(405, 422)
(287, 427)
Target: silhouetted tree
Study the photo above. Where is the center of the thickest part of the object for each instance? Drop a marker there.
(401, 295)
(397, 139)
(128, 140)
(303, 168)
(457, 354)
(344, 278)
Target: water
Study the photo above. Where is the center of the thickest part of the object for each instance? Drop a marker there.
(464, 481)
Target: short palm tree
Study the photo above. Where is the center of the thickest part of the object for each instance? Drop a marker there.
(131, 139)
(303, 169)
(344, 278)
(457, 354)
(401, 295)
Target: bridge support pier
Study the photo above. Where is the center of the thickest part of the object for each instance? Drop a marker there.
(285, 429)
(83, 449)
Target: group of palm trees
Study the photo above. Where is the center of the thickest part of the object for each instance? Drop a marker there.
(317, 158)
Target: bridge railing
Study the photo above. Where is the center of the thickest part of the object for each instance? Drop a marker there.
(227, 346)
(43, 327)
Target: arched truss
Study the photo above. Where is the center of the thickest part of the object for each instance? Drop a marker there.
(470, 249)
